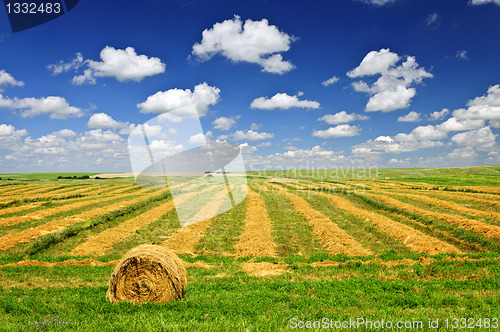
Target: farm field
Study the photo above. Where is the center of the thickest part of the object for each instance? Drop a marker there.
(401, 247)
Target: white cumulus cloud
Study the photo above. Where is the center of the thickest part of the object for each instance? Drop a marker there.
(343, 130)
(198, 139)
(251, 135)
(176, 103)
(484, 108)
(482, 138)
(7, 79)
(484, 2)
(247, 149)
(454, 124)
(410, 117)
(330, 81)
(439, 115)
(61, 66)
(378, 2)
(224, 123)
(394, 89)
(124, 65)
(342, 117)
(102, 121)
(9, 130)
(254, 42)
(282, 101)
(54, 106)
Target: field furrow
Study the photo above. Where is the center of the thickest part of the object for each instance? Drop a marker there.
(334, 239)
(487, 230)
(11, 239)
(104, 241)
(412, 238)
(256, 239)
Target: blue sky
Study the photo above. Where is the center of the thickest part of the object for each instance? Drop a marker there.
(297, 84)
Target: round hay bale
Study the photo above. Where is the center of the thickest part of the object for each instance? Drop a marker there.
(148, 273)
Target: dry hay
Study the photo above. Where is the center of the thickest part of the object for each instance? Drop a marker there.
(334, 239)
(148, 273)
(410, 237)
(256, 239)
(105, 240)
(487, 230)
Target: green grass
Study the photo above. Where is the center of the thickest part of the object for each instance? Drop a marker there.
(240, 302)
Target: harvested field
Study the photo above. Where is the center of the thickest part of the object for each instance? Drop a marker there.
(304, 242)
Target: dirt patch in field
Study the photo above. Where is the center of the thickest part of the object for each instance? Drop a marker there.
(334, 239)
(410, 237)
(489, 231)
(283, 180)
(10, 240)
(256, 239)
(263, 269)
(198, 264)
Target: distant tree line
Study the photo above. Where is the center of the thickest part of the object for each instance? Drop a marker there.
(74, 177)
